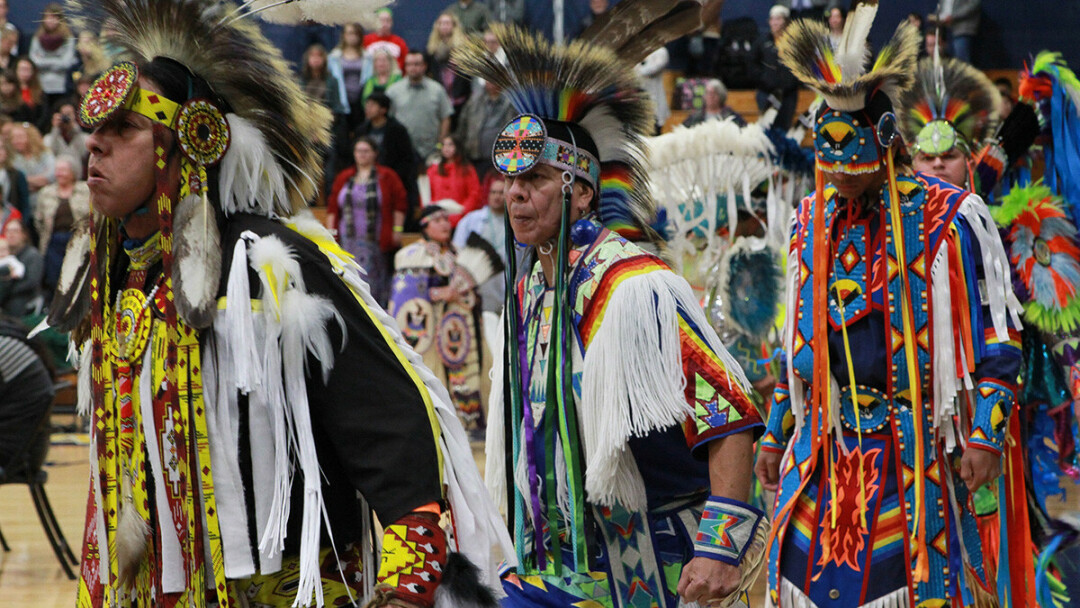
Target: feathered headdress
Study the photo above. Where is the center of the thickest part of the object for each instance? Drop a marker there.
(845, 134)
(563, 92)
(1055, 89)
(950, 98)
(841, 77)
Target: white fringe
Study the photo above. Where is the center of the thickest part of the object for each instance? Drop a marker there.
(633, 381)
(240, 349)
(947, 379)
(995, 266)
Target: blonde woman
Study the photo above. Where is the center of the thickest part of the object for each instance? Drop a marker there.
(385, 72)
(60, 206)
(32, 158)
(447, 35)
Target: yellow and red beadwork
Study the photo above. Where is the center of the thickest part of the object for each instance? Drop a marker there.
(118, 89)
(413, 558)
(202, 132)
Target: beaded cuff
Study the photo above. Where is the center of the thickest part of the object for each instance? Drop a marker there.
(726, 529)
(413, 558)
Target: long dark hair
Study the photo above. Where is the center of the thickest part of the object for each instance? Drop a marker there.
(458, 159)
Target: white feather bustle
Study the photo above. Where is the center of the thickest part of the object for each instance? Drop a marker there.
(329, 12)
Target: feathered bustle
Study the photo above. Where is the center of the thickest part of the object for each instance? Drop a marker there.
(635, 28)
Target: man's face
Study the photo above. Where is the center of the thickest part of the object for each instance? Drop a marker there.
(415, 66)
(386, 23)
(373, 111)
(3, 10)
(491, 41)
(712, 99)
(950, 166)
(777, 24)
(598, 6)
(853, 186)
(121, 166)
(15, 236)
(67, 117)
(497, 196)
(534, 202)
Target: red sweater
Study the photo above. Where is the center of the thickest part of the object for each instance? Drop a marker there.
(393, 199)
(459, 184)
(394, 39)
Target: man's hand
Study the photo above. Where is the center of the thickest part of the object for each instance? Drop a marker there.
(979, 467)
(705, 579)
(767, 469)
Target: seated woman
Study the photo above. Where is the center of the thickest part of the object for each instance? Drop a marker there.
(437, 307)
(367, 208)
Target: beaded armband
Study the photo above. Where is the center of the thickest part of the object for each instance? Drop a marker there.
(413, 559)
(993, 404)
(726, 529)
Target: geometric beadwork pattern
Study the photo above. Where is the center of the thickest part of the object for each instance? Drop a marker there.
(726, 529)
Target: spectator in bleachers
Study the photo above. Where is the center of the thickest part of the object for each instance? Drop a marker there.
(596, 8)
(916, 20)
(52, 49)
(836, 19)
(10, 99)
(60, 206)
(454, 178)
(472, 15)
(385, 38)
(384, 72)
(351, 62)
(33, 105)
(14, 191)
(715, 106)
(91, 57)
(66, 138)
(491, 41)
(777, 86)
(651, 73)
(21, 271)
(321, 83)
(367, 208)
(9, 41)
(32, 158)
(482, 119)
(421, 104)
(962, 19)
(447, 35)
(395, 149)
(808, 9)
(507, 11)
(7, 26)
(935, 38)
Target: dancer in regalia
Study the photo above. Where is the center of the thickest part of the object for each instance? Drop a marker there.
(243, 385)
(901, 355)
(620, 432)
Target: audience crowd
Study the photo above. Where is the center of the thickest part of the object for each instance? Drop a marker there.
(408, 131)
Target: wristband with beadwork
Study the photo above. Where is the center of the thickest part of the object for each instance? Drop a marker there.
(727, 527)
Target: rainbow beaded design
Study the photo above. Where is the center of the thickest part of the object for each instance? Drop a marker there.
(726, 529)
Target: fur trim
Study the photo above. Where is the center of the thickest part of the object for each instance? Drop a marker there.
(197, 267)
(250, 179)
(461, 586)
(132, 536)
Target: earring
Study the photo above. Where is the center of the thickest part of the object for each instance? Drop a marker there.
(584, 232)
